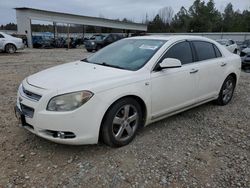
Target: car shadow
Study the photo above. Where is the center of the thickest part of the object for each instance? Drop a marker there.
(14, 54)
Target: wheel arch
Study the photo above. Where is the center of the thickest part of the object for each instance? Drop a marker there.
(138, 99)
(11, 44)
(234, 75)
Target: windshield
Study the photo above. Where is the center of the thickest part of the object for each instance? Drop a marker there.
(129, 54)
(97, 37)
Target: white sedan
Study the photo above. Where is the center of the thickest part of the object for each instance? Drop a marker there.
(229, 44)
(126, 85)
(10, 44)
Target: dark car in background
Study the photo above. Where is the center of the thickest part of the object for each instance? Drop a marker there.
(245, 54)
(42, 42)
(98, 41)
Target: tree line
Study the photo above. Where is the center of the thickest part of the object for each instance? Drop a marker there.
(200, 17)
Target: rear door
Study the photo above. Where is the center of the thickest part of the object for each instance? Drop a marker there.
(210, 62)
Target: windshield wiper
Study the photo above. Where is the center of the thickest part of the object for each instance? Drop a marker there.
(104, 64)
(108, 65)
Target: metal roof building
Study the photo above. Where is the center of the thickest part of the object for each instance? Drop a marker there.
(24, 16)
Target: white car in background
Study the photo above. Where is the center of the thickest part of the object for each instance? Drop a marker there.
(126, 85)
(10, 44)
(229, 44)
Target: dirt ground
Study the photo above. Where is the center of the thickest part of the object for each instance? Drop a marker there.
(208, 146)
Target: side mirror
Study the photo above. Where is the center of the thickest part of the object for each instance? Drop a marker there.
(170, 63)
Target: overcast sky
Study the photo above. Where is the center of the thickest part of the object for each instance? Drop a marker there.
(131, 9)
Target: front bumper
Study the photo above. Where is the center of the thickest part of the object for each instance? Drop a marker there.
(75, 128)
(90, 46)
(20, 46)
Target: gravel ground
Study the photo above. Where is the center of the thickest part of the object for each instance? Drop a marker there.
(208, 146)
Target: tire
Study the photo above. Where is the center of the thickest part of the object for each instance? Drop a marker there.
(121, 122)
(227, 90)
(10, 48)
(89, 50)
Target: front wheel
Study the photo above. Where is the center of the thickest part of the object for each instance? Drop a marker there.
(121, 122)
(10, 48)
(227, 90)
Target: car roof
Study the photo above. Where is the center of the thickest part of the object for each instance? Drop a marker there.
(174, 37)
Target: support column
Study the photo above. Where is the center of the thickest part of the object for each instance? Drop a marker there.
(24, 26)
(55, 30)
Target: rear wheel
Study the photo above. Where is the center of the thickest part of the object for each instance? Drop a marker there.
(10, 48)
(121, 122)
(89, 50)
(227, 90)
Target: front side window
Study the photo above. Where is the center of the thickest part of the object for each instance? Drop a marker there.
(109, 38)
(128, 54)
(181, 51)
(204, 50)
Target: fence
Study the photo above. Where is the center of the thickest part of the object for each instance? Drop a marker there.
(236, 36)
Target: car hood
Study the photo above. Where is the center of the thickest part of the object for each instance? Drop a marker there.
(75, 75)
(96, 41)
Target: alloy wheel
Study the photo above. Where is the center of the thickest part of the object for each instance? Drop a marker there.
(227, 92)
(125, 122)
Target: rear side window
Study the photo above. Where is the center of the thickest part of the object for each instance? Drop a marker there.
(181, 51)
(1, 36)
(217, 51)
(204, 50)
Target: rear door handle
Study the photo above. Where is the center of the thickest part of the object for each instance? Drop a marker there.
(223, 64)
(193, 71)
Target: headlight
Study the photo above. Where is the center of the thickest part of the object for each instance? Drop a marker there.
(69, 101)
(92, 43)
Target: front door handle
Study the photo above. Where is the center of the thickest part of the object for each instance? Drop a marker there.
(223, 64)
(193, 71)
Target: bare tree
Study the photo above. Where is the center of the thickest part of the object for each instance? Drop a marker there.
(166, 14)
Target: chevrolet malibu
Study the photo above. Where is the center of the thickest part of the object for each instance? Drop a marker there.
(125, 86)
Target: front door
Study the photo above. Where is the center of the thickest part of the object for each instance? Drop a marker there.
(174, 88)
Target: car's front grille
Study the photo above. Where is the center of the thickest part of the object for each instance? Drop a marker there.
(31, 95)
(27, 111)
